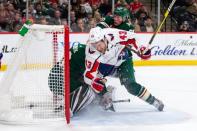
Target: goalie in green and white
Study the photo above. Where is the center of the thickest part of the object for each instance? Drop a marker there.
(80, 93)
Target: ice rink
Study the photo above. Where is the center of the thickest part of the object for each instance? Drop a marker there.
(176, 86)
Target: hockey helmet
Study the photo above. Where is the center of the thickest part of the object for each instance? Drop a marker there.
(123, 12)
(95, 35)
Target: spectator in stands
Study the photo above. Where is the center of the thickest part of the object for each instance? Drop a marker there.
(31, 10)
(186, 27)
(80, 27)
(64, 9)
(40, 11)
(148, 25)
(81, 12)
(192, 8)
(86, 6)
(94, 8)
(43, 21)
(63, 2)
(73, 19)
(105, 8)
(17, 27)
(93, 2)
(185, 15)
(88, 18)
(91, 24)
(122, 3)
(135, 6)
(52, 9)
(3, 17)
(10, 12)
(56, 20)
(97, 17)
(137, 26)
(16, 23)
(142, 17)
(141, 10)
(64, 22)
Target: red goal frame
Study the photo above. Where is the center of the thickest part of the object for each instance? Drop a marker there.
(67, 74)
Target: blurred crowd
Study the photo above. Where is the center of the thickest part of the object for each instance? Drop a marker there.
(185, 13)
(84, 14)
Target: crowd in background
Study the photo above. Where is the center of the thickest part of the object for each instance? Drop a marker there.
(185, 13)
(85, 14)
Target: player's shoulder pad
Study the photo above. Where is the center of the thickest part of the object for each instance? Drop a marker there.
(106, 22)
(130, 26)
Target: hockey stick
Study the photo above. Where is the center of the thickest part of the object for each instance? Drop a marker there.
(160, 25)
(121, 101)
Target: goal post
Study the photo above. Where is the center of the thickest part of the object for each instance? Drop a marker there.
(36, 85)
(67, 76)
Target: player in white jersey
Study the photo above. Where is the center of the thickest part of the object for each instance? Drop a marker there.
(108, 53)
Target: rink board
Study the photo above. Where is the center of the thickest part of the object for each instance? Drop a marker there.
(167, 48)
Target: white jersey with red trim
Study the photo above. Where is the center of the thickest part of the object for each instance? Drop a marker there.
(98, 64)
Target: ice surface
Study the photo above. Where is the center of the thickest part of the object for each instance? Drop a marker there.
(175, 86)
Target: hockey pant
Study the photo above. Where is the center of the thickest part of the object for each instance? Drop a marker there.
(127, 78)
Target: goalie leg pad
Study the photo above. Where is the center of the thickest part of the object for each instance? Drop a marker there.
(81, 97)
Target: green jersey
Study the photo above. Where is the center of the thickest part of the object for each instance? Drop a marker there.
(77, 66)
(108, 21)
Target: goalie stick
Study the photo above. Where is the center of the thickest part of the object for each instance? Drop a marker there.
(121, 101)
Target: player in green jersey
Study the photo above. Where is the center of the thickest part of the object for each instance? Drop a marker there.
(119, 20)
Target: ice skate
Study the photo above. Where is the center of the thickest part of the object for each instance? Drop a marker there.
(158, 104)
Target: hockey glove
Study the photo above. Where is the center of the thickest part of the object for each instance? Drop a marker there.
(106, 99)
(99, 85)
(144, 55)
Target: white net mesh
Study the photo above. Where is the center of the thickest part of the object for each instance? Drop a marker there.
(31, 89)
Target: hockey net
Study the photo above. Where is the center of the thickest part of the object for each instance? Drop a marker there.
(35, 86)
